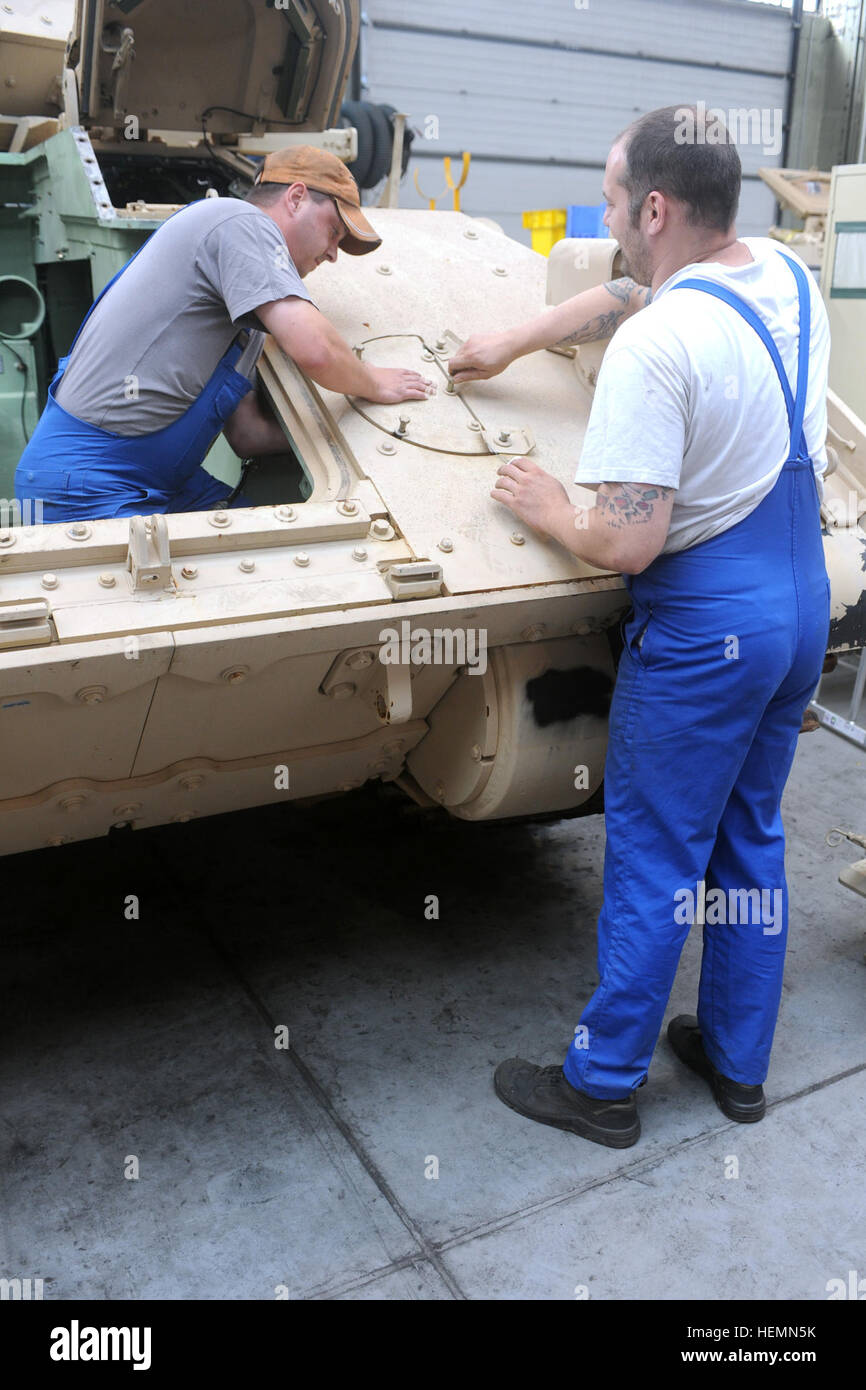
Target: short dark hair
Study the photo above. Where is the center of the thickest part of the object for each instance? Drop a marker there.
(670, 151)
(266, 193)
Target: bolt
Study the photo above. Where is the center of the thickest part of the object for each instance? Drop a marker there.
(72, 803)
(359, 660)
(504, 436)
(500, 270)
(126, 813)
(359, 553)
(284, 513)
(382, 529)
(50, 581)
(343, 691)
(235, 674)
(92, 694)
(474, 425)
(471, 233)
(302, 559)
(387, 447)
(426, 356)
(534, 633)
(518, 538)
(247, 566)
(403, 426)
(107, 581)
(475, 753)
(182, 817)
(348, 507)
(220, 519)
(446, 544)
(583, 629)
(79, 531)
(440, 344)
(54, 839)
(191, 781)
(450, 387)
(189, 572)
(384, 269)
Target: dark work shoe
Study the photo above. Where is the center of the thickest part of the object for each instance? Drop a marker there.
(738, 1102)
(544, 1094)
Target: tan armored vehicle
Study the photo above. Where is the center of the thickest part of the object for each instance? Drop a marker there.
(380, 617)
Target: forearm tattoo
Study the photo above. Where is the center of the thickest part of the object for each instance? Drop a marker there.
(605, 325)
(622, 504)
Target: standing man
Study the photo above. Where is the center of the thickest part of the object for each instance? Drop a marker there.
(166, 357)
(706, 443)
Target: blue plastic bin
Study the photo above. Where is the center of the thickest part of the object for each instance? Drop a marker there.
(585, 220)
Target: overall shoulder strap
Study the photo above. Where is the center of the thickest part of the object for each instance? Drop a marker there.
(796, 408)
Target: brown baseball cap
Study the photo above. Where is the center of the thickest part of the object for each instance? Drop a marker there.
(324, 173)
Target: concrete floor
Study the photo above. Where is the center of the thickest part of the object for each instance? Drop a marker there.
(302, 1172)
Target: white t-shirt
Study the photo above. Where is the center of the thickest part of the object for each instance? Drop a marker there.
(688, 397)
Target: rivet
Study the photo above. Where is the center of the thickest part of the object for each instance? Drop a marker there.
(359, 553)
(107, 581)
(92, 694)
(191, 781)
(78, 531)
(532, 634)
(518, 538)
(382, 529)
(348, 507)
(471, 234)
(247, 566)
(182, 817)
(358, 661)
(474, 425)
(235, 674)
(72, 803)
(386, 447)
(427, 356)
(219, 519)
(475, 753)
(284, 513)
(446, 544)
(383, 269)
(500, 270)
(343, 691)
(189, 571)
(302, 559)
(7, 538)
(127, 812)
(583, 629)
(54, 839)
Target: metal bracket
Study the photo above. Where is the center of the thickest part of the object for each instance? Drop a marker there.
(419, 579)
(25, 624)
(148, 558)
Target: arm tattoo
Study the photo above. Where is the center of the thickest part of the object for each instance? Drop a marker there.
(605, 325)
(625, 503)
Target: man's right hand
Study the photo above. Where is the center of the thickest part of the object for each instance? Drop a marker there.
(393, 384)
(481, 356)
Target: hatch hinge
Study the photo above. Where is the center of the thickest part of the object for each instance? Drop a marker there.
(148, 558)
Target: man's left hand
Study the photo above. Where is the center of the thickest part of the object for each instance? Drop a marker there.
(531, 494)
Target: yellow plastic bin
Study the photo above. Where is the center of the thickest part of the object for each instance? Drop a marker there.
(547, 226)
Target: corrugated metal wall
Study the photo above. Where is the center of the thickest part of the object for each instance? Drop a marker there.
(537, 91)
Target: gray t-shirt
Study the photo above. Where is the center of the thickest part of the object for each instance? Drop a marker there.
(152, 344)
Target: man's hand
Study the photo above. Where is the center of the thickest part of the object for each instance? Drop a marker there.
(482, 356)
(393, 384)
(534, 496)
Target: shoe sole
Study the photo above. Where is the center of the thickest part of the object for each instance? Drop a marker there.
(585, 1128)
(743, 1116)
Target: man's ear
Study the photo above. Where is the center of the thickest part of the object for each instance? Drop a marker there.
(295, 195)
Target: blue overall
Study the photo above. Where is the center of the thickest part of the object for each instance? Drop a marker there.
(78, 470)
(723, 650)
